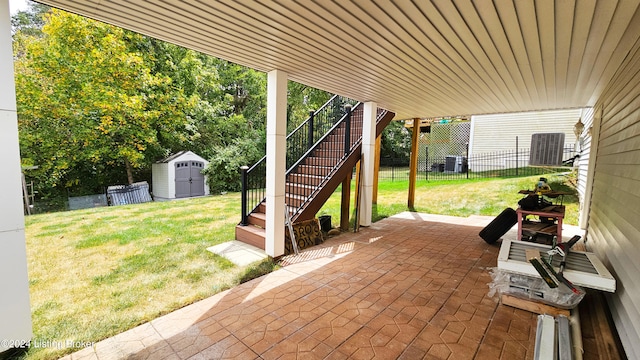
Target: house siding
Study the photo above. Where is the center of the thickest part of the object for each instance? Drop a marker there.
(584, 167)
(498, 132)
(614, 212)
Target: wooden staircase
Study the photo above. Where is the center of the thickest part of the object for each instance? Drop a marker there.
(311, 181)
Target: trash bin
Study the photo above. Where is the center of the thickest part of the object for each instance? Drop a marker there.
(325, 222)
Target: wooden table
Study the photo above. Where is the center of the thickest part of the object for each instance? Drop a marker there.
(551, 194)
(555, 212)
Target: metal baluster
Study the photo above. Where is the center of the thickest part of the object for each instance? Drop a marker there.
(243, 176)
(347, 130)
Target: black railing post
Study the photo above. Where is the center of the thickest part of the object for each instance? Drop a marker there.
(517, 156)
(467, 161)
(310, 140)
(426, 163)
(245, 190)
(347, 130)
(393, 170)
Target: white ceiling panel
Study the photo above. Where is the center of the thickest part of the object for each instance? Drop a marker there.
(417, 58)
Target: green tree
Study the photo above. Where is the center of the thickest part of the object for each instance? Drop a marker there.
(229, 99)
(245, 90)
(88, 107)
(301, 99)
(29, 22)
(396, 142)
(98, 105)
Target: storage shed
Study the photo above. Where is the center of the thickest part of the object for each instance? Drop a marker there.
(179, 176)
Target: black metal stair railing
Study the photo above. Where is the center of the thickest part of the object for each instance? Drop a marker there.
(299, 141)
(325, 159)
(307, 134)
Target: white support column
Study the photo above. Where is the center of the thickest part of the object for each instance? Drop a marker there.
(368, 162)
(585, 204)
(276, 161)
(15, 310)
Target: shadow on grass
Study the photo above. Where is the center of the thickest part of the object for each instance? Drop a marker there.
(258, 269)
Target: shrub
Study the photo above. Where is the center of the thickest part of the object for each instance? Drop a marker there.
(223, 171)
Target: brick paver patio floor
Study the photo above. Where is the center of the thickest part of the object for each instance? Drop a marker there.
(412, 286)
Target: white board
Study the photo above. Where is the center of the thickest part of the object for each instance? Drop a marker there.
(582, 268)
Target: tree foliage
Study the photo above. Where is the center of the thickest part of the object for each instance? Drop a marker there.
(396, 142)
(87, 104)
(97, 105)
(30, 22)
(302, 99)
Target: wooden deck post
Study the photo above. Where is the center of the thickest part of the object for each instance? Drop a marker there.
(413, 163)
(357, 193)
(345, 204)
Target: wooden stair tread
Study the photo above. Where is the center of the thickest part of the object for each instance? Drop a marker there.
(251, 235)
(311, 173)
(299, 185)
(257, 219)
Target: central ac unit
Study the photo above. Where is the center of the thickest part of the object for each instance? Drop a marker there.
(546, 149)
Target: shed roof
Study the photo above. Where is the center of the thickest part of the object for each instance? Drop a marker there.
(178, 155)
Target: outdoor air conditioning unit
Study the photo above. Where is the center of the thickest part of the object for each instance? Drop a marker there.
(546, 149)
(450, 163)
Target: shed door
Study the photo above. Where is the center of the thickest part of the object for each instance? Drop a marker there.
(189, 179)
(197, 179)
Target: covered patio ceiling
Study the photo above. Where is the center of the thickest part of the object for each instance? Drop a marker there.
(415, 58)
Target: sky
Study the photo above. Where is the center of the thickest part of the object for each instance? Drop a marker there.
(17, 5)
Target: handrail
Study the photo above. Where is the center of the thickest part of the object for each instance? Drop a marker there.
(311, 114)
(327, 134)
(380, 114)
(298, 144)
(301, 139)
(301, 126)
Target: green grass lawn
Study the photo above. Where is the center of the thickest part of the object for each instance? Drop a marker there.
(456, 197)
(95, 273)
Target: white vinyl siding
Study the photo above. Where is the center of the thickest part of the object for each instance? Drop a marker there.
(498, 132)
(584, 181)
(160, 180)
(614, 226)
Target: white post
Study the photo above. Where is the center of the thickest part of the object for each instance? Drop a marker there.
(585, 203)
(368, 162)
(276, 161)
(15, 310)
